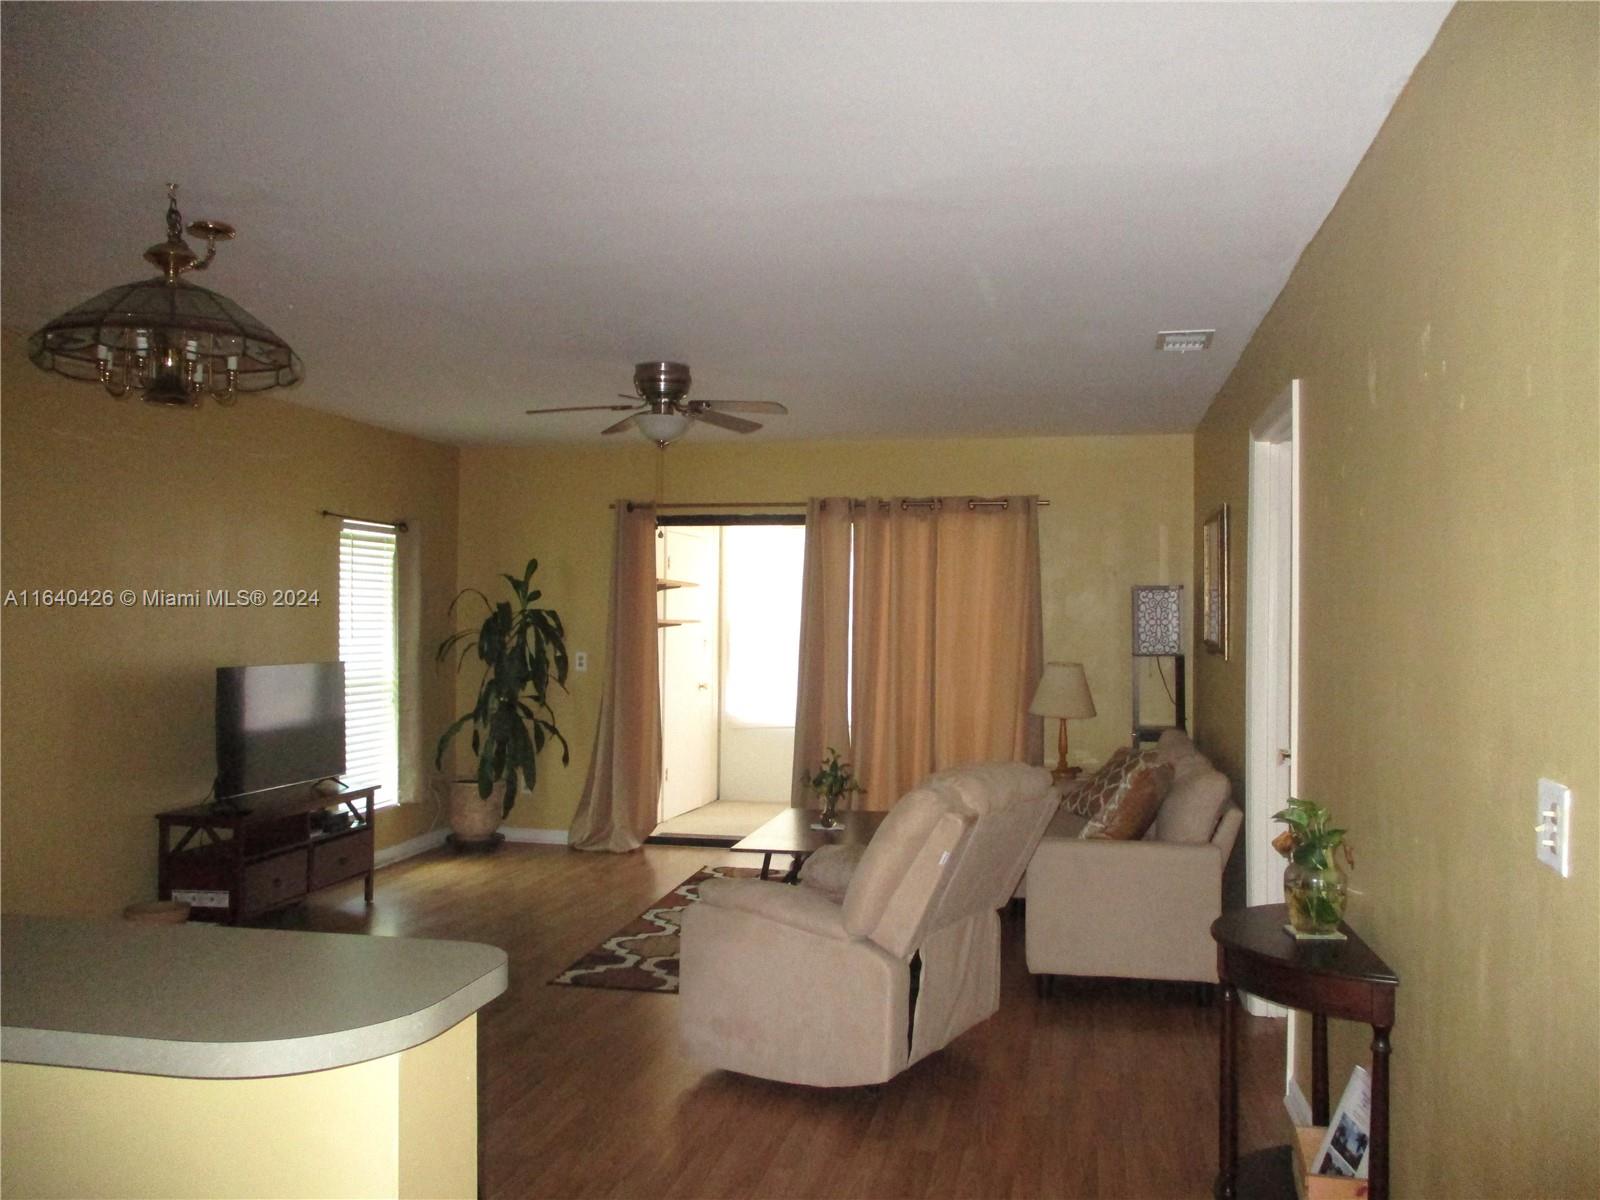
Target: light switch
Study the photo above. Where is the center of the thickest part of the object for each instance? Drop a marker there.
(580, 660)
(1553, 833)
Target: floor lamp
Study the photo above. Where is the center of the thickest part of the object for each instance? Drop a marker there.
(1063, 693)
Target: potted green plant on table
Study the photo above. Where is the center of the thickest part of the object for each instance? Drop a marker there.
(833, 782)
(1313, 882)
(523, 650)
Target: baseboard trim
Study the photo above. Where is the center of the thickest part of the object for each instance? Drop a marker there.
(1294, 1100)
(542, 837)
(409, 848)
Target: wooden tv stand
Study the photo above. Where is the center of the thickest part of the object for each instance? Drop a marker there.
(232, 866)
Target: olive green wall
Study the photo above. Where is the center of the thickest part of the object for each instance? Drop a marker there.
(1119, 515)
(1444, 324)
(106, 715)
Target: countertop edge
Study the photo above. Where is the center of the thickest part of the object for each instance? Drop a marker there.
(250, 1060)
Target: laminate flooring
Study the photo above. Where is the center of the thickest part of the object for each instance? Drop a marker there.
(1103, 1089)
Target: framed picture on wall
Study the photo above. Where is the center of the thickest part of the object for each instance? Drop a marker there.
(1214, 584)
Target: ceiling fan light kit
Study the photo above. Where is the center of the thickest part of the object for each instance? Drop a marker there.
(663, 414)
(661, 428)
(169, 340)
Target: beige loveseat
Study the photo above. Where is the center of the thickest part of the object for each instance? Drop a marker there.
(806, 985)
(1140, 909)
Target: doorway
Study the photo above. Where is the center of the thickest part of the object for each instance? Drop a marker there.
(1272, 647)
(729, 631)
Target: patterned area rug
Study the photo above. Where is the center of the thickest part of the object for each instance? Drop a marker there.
(643, 955)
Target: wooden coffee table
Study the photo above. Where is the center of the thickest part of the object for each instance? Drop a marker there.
(790, 833)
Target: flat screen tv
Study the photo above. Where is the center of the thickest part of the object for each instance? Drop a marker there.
(278, 725)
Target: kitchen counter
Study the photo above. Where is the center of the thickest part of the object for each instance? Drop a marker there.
(208, 1002)
(207, 1061)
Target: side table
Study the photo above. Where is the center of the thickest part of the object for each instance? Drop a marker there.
(1326, 978)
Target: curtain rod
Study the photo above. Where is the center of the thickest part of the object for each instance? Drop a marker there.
(398, 526)
(975, 502)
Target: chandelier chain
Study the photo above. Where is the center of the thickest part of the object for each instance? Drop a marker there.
(174, 217)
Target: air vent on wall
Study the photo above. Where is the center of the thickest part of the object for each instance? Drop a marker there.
(1181, 341)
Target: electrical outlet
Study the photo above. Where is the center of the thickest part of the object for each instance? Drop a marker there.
(1553, 833)
(580, 661)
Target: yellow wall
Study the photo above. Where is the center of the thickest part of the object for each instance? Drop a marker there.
(1120, 515)
(1444, 322)
(107, 713)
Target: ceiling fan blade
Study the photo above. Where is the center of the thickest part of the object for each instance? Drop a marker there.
(722, 420)
(585, 408)
(761, 406)
(625, 423)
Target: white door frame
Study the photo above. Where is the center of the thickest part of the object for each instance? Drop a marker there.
(1272, 644)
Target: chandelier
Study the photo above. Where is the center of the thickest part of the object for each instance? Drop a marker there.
(168, 340)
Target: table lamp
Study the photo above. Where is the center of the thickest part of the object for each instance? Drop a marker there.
(1063, 693)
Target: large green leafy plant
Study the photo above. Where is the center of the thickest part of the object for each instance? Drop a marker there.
(523, 650)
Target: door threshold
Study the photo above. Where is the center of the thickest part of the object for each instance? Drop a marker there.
(689, 839)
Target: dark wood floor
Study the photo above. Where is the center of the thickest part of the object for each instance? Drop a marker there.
(1104, 1089)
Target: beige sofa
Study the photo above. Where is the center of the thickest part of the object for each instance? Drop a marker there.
(809, 985)
(1136, 910)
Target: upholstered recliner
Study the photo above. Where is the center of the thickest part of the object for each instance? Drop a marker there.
(802, 985)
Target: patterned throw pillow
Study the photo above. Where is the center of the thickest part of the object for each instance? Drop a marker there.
(1088, 795)
(1142, 784)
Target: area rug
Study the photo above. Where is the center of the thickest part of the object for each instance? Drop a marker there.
(642, 956)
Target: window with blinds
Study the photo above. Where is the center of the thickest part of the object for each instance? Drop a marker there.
(368, 645)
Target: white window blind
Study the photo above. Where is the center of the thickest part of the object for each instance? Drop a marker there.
(368, 645)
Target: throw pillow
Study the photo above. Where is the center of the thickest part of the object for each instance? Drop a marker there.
(1133, 807)
(1191, 810)
(831, 868)
(1088, 796)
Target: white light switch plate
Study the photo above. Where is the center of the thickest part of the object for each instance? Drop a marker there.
(1553, 833)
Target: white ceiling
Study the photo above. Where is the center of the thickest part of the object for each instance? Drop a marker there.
(897, 219)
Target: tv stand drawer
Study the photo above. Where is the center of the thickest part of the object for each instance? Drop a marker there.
(273, 881)
(341, 858)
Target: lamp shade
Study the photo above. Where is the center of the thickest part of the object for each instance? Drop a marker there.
(1063, 692)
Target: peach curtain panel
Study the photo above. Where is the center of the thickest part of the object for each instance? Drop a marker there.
(988, 641)
(943, 638)
(621, 794)
(822, 692)
(892, 685)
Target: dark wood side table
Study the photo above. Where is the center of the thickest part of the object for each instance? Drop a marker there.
(1328, 979)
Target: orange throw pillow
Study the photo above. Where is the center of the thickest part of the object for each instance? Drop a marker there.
(1131, 809)
(1088, 796)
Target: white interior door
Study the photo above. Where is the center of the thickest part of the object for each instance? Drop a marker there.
(689, 667)
(1272, 647)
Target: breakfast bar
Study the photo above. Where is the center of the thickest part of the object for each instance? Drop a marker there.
(196, 1060)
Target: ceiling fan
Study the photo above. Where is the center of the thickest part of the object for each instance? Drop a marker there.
(660, 411)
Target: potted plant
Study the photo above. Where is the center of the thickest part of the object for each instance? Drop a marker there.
(523, 650)
(1313, 882)
(834, 781)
